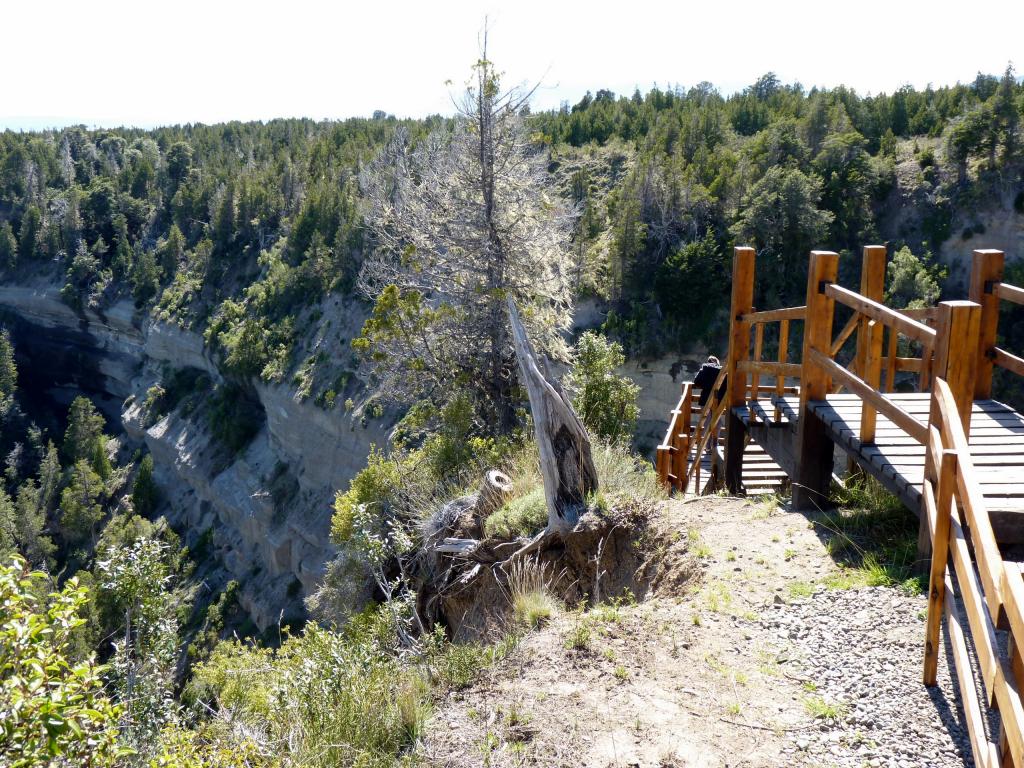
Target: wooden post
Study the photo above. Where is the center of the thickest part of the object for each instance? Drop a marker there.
(986, 270)
(814, 446)
(945, 475)
(956, 351)
(870, 334)
(894, 345)
(780, 380)
(681, 438)
(739, 349)
(755, 377)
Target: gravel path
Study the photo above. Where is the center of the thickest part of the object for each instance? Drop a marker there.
(861, 649)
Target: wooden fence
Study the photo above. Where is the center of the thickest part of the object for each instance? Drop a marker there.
(989, 588)
(957, 347)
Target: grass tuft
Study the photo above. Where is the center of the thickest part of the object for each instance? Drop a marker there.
(820, 709)
(521, 516)
(529, 592)
(873, 537)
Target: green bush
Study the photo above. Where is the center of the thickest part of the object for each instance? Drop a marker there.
(376, 484)
(521, 516)
(234, 417)
(605, 401)
(53, 710)
(533, 608)
(321, 699)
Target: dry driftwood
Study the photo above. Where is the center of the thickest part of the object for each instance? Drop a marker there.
(565, 458)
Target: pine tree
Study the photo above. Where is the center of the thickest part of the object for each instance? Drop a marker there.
(124, 254)
(1005, 111)
(30, 518)
(145, 277)
(172, 252)
(80, 510)
(144, 492)
(465, 221)
(8, 367)
(84, 431)
(8, 246)
(28, 234)
(49, 477)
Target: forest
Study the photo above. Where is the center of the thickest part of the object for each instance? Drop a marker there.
(631, 202)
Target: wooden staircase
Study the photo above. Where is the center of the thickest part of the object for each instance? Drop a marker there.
(691, 432)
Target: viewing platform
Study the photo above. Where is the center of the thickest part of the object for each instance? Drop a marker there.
(906, 397)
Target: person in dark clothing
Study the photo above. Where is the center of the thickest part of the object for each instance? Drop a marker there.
(705, 379)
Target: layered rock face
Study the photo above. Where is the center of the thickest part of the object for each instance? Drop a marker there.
(269, 507)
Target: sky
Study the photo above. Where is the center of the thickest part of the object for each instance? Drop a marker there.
(145, 63)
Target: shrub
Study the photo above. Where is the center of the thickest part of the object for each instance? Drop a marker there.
(521, 516)
(454, 666)
(234, 417)
(321, 699)
(74, 723)
(529, 593)
(532, 609)
(624, 478)
(578, 636)
(605, 401)
(376, 484)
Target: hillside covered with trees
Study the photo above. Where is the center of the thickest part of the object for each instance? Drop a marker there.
(426, 231)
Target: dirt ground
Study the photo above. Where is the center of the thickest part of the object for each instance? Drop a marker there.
(691, 676)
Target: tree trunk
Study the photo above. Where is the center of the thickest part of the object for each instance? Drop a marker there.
(565, 459)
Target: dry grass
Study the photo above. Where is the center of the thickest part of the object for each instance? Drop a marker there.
(529, 592)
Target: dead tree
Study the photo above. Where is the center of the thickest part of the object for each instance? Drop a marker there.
(565, 459)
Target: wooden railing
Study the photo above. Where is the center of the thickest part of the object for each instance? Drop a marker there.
(958, 524)
(671, 455)
(679, 456)
(947, 350)
(987, 289)
(780, 368)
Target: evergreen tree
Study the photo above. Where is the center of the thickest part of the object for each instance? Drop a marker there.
(8, 366)
(144, 492)
(780, 217)
(30, 515)
(1007, 113)
(49, 477)
(28, 234)
(8, 527)
(80, 509)
(465, 223)
(124, 254)
(8, 246)
(145, 277)
(172, 252)
(84, 432)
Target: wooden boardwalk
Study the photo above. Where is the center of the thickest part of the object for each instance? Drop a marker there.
(952, 454)
(996, 442)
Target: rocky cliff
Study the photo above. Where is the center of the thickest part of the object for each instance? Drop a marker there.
(269, 506)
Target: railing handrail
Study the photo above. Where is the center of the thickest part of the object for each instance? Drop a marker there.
(714, 408)
(1008, 292)
(892, 318)
(950, 484)
(775, 315)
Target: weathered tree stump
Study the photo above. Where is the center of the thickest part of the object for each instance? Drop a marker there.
(565, 457)
(495, 489)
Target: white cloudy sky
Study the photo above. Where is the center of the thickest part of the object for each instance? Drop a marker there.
(140, 62)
